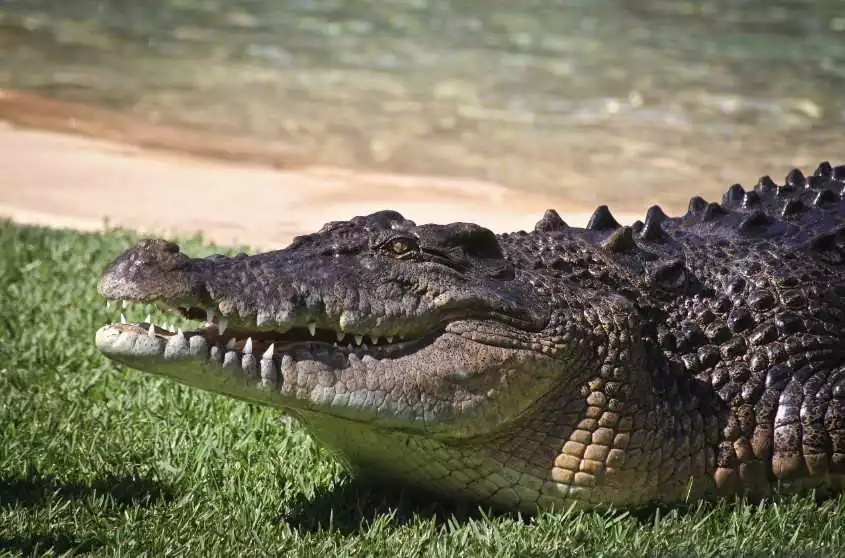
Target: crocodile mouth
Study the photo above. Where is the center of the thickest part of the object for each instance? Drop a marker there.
(245, 337)
(306, 367)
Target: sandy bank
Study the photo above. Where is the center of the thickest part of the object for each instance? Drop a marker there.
(64, 180)
(71, 165)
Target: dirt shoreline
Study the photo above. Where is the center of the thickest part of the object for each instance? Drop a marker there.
(169, 182)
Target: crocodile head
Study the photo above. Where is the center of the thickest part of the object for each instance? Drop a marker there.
(376, 320)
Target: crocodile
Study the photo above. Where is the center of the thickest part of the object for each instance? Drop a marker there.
(670, 360)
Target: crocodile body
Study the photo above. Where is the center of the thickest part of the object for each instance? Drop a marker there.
(689, 357)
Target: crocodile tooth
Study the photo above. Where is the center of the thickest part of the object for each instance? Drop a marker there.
(269, 352)
(359, 339)
(389, 339)
(231, 344)
(268, 373)
(348, 319)
(350, 348)
(152, 329)
(374, 339)
(340, 335)
(149, 319)
(122, 318)
(283, 316)
(248, 346)
(126, 304)
(215, 354)
(250, 366)
(287, 367)
(231, 360)
(263, 318)
(210, 313)
(177, 347)
(180, 333)
(198, 346)
(334, 344)
(108, 305)
(221, 326)
(226, 307)
(365, 347)
(312, 329)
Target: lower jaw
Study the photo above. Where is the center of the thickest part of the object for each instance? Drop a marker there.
(255, 370)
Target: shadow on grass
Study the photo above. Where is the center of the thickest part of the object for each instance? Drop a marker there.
(35, 489)
(350, 507)
(37, 545)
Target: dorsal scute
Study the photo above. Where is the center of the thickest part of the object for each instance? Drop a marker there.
(796, 209)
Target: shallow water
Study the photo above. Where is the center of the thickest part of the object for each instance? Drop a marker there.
(591, 99)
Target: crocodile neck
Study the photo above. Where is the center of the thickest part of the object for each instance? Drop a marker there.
(639, 428)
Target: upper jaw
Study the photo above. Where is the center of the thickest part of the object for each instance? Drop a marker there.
(268, 298)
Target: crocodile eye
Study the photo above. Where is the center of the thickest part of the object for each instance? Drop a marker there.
(401, 247)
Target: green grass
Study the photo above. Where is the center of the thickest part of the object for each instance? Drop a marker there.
(103, 460)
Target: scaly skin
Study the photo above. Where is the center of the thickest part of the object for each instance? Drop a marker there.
(685, 357)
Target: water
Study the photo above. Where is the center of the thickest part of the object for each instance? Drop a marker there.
(590, 99)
